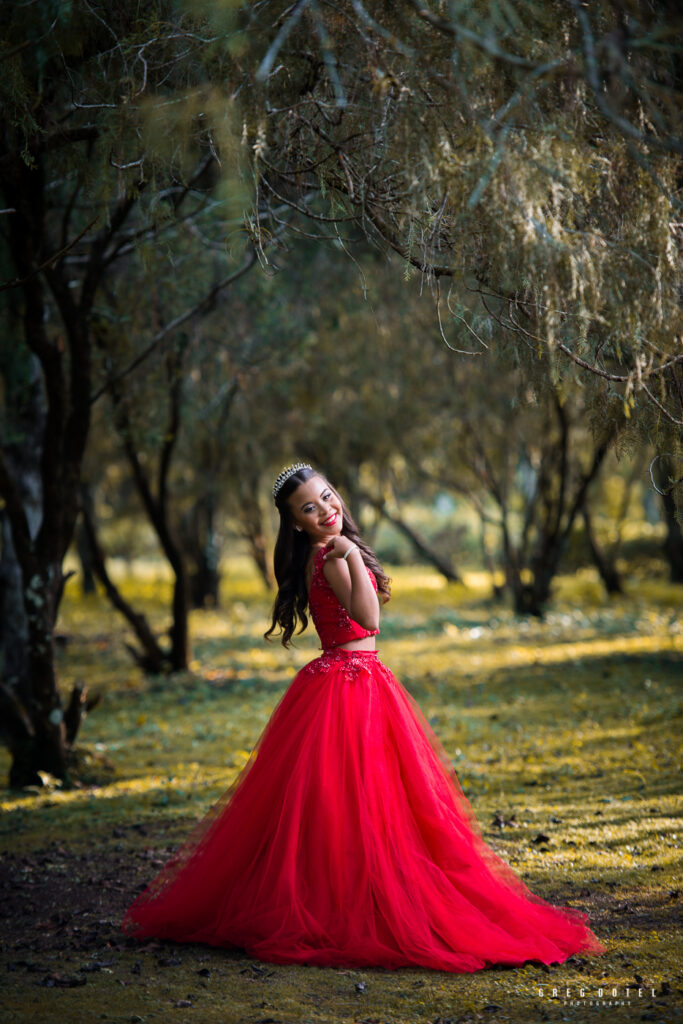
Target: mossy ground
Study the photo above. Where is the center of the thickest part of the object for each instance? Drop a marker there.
(568, 728)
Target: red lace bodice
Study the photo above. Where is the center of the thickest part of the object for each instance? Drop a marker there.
(333, 623)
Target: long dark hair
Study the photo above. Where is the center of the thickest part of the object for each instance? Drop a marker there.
(292, 549)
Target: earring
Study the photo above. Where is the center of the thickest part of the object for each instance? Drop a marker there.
(298, 528)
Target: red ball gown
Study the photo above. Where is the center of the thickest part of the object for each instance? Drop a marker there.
(346, 840)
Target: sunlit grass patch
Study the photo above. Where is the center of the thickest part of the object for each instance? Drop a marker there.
(563, 732)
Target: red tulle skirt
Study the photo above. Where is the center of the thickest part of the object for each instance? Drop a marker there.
(346, 840)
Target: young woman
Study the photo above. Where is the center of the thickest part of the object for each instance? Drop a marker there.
(346, 839)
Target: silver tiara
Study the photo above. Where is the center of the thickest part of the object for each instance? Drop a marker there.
(286, 473)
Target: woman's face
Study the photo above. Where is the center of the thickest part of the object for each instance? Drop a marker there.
(316, 509)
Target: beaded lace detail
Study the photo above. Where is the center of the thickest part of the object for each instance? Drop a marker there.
(351, 663)
(333, 623)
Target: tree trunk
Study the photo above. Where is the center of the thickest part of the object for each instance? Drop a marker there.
(604, 565)
(201, 548)
(531, 597)
(83, 548)
(423, 549)
(157, 506)
(204, 582)
(253, 532)
(257, 549)
(151, 657)
(179, 633)
(49, 412)
(663, 470)
(489, 564)
(32, 719)
(32, 723)
(13, 625)
(47, 748)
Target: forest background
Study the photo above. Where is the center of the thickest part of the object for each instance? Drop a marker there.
(435, 251)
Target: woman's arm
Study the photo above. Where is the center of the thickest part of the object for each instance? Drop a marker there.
(351, 583)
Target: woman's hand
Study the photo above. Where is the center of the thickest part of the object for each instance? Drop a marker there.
(337, 547)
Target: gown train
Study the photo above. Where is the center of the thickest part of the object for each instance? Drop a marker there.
(347, 840)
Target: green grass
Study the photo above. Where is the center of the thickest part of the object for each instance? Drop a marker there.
(570, 727)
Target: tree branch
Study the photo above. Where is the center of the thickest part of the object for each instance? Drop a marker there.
(454, 30)
(203, 305)
(17, 281)
(668, 145)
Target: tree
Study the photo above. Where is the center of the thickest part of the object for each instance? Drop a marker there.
(611, 496)
(522, 451)
(667, 477)
(526, 162)
(83, 187)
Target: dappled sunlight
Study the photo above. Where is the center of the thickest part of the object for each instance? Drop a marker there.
(563, 733)
(145, 789)
(467, 653)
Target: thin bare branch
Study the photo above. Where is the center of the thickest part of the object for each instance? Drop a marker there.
(670, 145)
(51, 260)
(200, 307)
